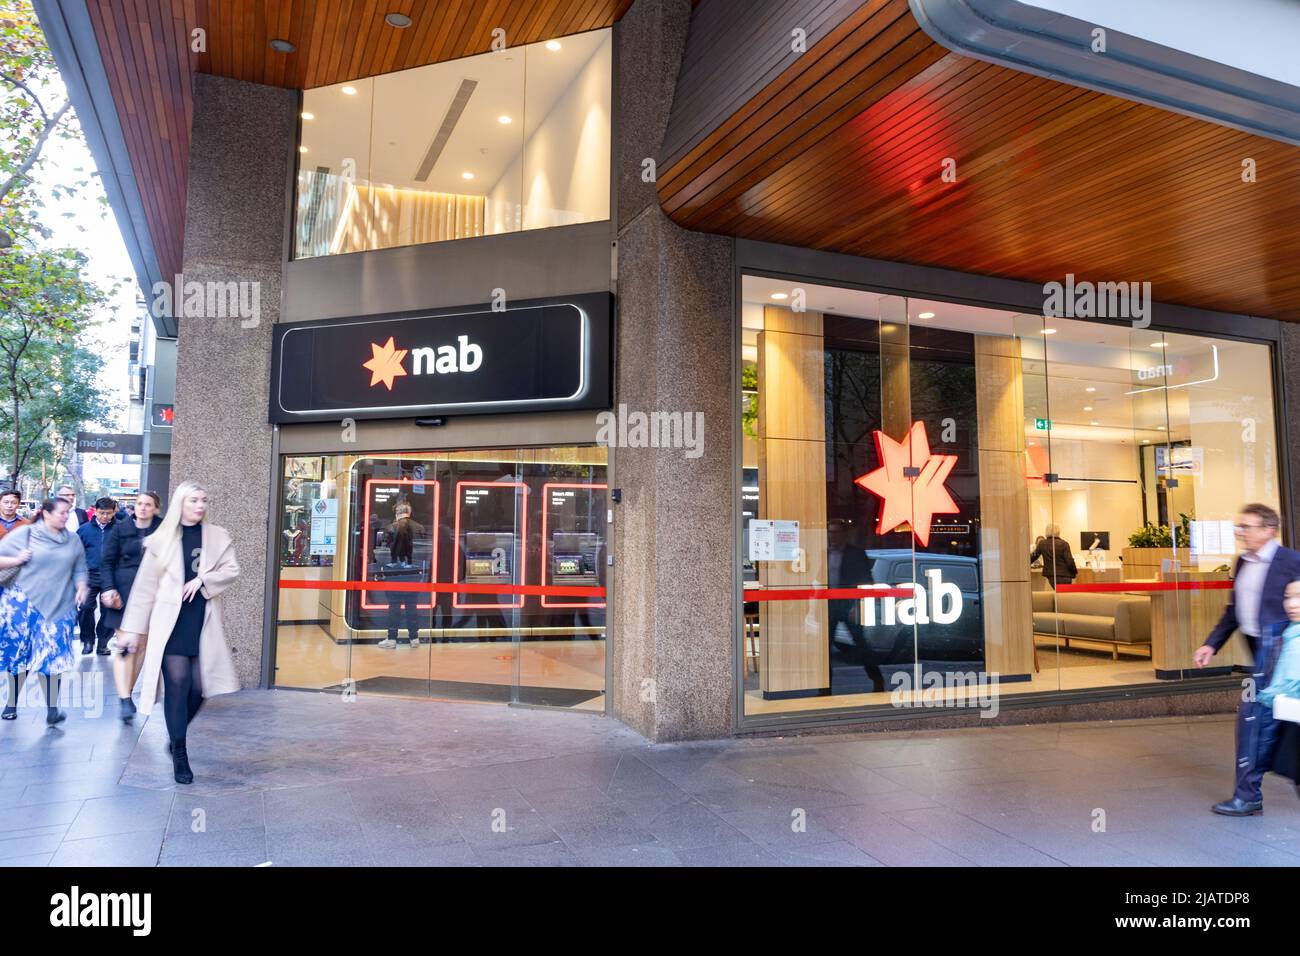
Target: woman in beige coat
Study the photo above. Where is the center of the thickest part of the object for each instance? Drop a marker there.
(176, 602)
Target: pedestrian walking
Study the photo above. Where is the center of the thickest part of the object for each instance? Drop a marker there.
(1259, 583)
(1286, 684)
(123, 551)
(38, 607)
(9, 517)
(175, 604)
(95, 637)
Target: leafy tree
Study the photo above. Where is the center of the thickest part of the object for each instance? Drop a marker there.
(47, 378)
(34, 108)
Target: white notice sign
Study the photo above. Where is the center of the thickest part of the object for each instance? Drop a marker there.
(324, 525)
(773, 540)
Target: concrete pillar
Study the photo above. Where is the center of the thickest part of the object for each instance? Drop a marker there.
(673, 624)
(241, 143)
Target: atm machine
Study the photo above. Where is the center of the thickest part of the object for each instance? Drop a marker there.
(489, 557)
(574, 558)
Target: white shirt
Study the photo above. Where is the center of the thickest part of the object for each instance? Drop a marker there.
(1248, 589)
(72, 521)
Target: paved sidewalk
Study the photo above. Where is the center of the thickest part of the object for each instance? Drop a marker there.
(294, 778)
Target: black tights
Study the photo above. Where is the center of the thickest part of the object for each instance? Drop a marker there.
(182, 693)
(49, 686)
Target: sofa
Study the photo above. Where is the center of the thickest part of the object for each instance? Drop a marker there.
(1116, 619)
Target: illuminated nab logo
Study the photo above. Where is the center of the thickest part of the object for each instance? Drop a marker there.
(386, 362)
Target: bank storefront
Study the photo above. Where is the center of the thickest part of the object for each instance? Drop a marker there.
(914, 464)
(415, 554)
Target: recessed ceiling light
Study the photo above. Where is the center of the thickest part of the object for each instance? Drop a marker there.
(780, 296)
(553, 45)
(926, 315)
(1049, 331)
(349, 91)
(1090, 389)
(466, 175)
(504, 120)
(1160, 428)
(282, 46)
(1094, 423)
(1159, 345)
(1087, 408)
(1146, 441)
(399, 20)
(309, 116)
(302, 149)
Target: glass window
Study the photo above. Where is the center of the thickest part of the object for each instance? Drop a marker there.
(489, 144)
(1029, 505)
(415, 574)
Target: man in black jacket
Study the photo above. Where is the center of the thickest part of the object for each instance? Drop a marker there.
(1260, 577)
(1058, 562)
(92, 535)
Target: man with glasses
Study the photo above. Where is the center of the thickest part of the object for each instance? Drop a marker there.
(1262, 573)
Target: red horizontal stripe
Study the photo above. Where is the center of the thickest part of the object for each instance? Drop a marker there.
(420, 587)
(1102, 587)
(823, 594)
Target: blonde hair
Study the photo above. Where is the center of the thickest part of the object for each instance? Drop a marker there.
(167, 539)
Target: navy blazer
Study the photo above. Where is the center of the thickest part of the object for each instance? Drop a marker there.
(1282, 570)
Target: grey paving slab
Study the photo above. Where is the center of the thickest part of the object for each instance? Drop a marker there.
(305, 779)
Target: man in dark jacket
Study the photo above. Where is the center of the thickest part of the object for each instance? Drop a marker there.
(92, 535)
(1058, 562)
(1259, 581)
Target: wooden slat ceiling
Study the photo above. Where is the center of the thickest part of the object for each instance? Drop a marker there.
(145, 46)
(844, 152)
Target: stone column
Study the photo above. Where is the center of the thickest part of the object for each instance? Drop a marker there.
(673, 629)
(240, 151)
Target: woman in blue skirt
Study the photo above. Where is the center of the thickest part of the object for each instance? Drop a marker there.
(38, 610)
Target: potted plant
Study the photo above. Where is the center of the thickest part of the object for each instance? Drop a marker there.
(1151, 545)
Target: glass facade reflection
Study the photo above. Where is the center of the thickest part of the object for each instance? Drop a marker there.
(489, 144)
(473, 575)
(940, 500)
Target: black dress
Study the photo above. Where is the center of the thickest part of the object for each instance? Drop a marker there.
(184, 641)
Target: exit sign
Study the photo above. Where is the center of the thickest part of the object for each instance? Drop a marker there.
(1043, 424)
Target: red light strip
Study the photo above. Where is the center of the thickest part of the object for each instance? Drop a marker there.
(365, 534)
(520, 555)
(546, 507)
(555, 590)
(1104, 587)
(824, 594)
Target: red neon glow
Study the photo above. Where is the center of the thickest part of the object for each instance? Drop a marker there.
(909, 500)
(546, 507)
(1036, 466)
(522, 538)
(365, 535)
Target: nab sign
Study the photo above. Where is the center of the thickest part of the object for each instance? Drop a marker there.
(534, 356)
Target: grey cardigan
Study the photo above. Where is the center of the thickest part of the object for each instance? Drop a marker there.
(56, 568)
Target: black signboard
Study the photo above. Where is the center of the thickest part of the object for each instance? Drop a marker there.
(538, 355)
(107, 444)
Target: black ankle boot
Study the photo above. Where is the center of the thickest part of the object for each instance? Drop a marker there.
(181, 763)
(127, 708)
(53, 716)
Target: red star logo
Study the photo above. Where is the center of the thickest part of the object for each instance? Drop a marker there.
(386, 364)
(909, 500)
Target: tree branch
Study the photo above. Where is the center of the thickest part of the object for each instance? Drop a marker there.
(35, 154)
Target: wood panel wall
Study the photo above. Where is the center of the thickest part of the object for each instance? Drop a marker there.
(795, 653)
(1004, 507)
(844, 151)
